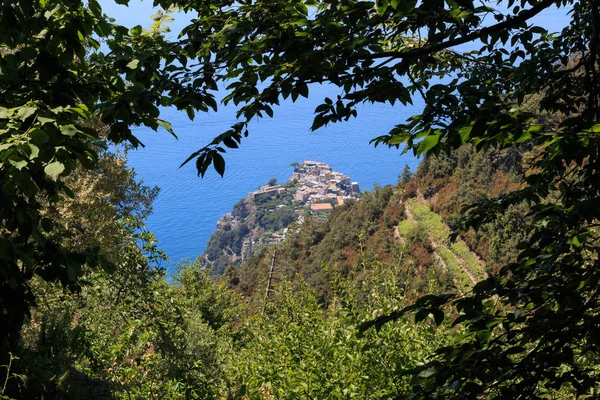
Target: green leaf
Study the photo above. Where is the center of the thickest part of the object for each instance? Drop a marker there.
(398, 139)
(18, 164)
(303, 89)
(191, 156)
(465, 133)
(34, 151)
(229, 142)
(538, 30)
(428, 143)
(483, 336)
(25, 112)
(167, 126)
(536, 129)
(5, 146)
(421, 315)
(381, 6)
(133, 64)
(136, 30)
(219, 163)
(54, 169)
(39, 136)
(428, 372)
(156, 17)
(301, 8)
(81, 110)
(68, 130)
(45, 120)
(48, 14)
(526, 135)
(318, 122)
(190, 112)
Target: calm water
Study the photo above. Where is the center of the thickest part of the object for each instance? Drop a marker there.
(188, 207)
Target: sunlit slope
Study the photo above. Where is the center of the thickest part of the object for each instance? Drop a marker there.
(455, 257)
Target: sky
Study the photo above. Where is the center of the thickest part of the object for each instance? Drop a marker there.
(138, 13)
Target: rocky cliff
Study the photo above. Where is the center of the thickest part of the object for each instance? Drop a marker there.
(265, 217)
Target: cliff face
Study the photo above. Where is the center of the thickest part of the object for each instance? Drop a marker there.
(266, 216)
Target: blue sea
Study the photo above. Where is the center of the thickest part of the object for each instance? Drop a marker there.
(188, 207)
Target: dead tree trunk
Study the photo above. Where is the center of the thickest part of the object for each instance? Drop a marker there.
(269, 280)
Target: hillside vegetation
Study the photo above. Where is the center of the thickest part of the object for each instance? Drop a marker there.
(262, 219)
(376, 300)
(197, 337)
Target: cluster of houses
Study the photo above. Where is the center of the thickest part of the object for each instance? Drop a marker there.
(321, 187)
(266, 191)
(312, 184)
(317, 185)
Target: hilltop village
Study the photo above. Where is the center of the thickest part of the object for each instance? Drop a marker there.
(314, 184)
(265, 216)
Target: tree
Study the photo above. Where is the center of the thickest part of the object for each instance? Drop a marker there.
(297, 350)
(55, 79)
(533, 327)
(105, 203)
(405, 176)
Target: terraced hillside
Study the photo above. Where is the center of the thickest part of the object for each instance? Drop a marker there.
(455, 257)
(380, 232)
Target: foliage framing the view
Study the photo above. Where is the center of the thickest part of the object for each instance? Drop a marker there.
(533, 327)
(64, 63)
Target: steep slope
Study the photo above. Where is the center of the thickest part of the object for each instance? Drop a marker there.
(448, 182)
(262, 219)
(397, 227)
(455, 256)
(377, 231)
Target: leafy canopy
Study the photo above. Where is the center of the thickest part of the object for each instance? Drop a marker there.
(55, 77)
(533, 327)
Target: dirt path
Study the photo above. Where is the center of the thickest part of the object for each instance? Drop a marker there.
(409, 217)
(408, 212)
(441, 261)
(397, 233)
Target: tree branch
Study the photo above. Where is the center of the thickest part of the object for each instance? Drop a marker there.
(428, 49)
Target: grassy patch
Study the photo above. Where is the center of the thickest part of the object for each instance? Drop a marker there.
(440, 233)
(405, 227)
(470, 262)
(430, 221)
(463, 280)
